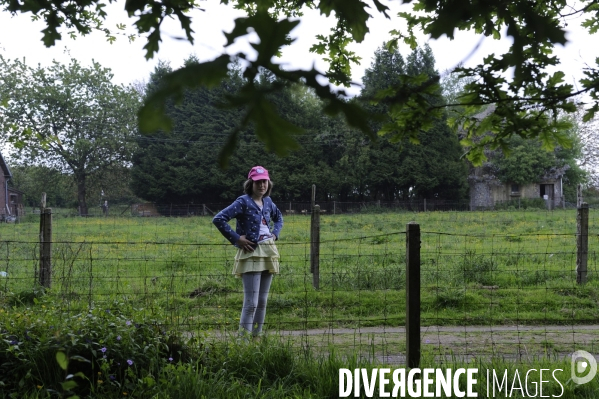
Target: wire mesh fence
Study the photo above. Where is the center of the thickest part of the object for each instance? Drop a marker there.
(500, 283)
(519, 289)
(287, 207)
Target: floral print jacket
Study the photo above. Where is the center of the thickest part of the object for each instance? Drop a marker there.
(249, 217)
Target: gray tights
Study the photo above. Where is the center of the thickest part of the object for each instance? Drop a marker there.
(255, 295)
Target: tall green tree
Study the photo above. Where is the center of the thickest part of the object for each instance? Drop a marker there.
(428, 165)
(528, 162)
(36, 179)
(181, 166)
(68, 117)
(313, 161)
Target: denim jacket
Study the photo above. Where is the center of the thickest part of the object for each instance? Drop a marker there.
(249, 217)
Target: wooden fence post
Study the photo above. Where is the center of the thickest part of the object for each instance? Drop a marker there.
(413, 295)
(45, 274)
(315, 246)
(582, 242)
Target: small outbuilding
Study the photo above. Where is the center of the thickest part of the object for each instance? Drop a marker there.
(487, 191)
(11, 199)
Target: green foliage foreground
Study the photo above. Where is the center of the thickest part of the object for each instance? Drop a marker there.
(100, 354)
(103, 354)
(528, 101)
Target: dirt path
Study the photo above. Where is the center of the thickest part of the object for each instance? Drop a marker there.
(444, 329)
(515, 342)
(388, 344)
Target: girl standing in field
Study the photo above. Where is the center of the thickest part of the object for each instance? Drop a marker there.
(257, 258)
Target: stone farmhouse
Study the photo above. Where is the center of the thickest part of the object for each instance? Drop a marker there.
(486, 190)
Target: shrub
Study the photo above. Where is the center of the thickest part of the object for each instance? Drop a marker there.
(103, 350)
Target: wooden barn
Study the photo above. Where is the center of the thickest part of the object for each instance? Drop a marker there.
(11, 199)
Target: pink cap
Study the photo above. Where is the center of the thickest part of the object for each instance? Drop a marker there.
(258, 173)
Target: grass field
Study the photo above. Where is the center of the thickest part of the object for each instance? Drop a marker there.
(478, 268)
(121, 286)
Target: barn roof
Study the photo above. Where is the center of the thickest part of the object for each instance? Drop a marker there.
(4, 167)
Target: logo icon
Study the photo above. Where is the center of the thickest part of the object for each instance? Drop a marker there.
(583, 363)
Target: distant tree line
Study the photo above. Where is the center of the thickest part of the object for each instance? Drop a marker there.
(80, 163)
(181, 166)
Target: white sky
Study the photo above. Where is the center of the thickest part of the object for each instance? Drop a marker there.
(21, 38)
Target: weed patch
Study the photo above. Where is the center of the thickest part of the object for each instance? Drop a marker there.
(477, 269)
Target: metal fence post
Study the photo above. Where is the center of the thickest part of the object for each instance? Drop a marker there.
(45, 274)
(413, 295)
(315, 246)
(582, 242)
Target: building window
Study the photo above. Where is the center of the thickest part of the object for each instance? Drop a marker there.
(515, 189)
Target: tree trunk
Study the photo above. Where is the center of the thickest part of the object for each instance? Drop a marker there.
(81, 195)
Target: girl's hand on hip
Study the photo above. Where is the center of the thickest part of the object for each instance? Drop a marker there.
(245, 244)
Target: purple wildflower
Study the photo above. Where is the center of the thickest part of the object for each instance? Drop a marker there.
(103, 350)
(170, 359)
(128, 322)
(118, 338)
(129, 362)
